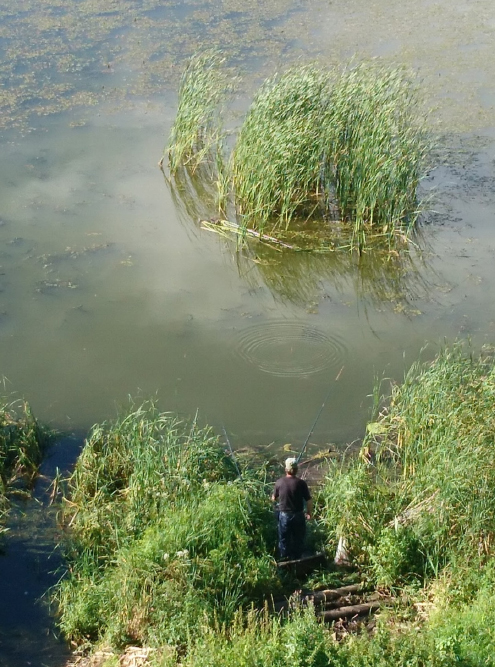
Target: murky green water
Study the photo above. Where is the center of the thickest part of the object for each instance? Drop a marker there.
(107, 289)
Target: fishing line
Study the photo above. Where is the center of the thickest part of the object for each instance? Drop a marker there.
(317, 417)
(232, 452)
(239, 473)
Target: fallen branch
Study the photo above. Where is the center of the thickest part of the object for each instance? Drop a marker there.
(226, 225)
(316, 559)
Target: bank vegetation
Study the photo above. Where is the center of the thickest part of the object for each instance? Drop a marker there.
(169, 548)
(22, 442)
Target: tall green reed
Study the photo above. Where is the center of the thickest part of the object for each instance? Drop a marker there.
(314, 145)
(277, 160)
(161, 533)
(377, 150)
(429, 497)
(22, 442)
(197, 130)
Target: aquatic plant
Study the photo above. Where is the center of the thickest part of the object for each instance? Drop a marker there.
(162, 534)
(22, 442)
(197, 130)
(345, 149)
(278, 157)
(377, 149)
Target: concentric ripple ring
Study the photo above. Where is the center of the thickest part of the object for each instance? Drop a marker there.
(289, 348)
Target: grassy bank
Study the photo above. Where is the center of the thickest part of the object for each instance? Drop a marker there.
(344, 148)
(427, 502)
(22, 441)
(163, 537)
(166, 550)
(417, 510)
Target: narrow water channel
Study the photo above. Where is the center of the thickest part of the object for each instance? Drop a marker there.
(30, 564)
(110, 289)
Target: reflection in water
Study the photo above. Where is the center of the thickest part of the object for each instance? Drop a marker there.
(290, 348)
(378, 276)
(193, 193)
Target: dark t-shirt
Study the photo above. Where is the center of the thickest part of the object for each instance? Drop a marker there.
(291, 493)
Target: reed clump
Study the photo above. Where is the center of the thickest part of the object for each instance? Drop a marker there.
(278, 156)
(347, 149)
(197, 130)
(377, 151)
(22, 442)
(162, 536)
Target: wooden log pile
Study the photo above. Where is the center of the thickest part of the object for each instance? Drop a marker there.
(304, 565)
(344, 603)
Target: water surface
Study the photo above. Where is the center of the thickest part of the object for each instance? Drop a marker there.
(109, 289)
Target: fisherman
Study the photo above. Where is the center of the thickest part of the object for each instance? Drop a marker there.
(292, 494)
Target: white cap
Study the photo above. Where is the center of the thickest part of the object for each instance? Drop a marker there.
(291, 463)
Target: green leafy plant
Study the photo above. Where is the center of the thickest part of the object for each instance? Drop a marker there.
(22, 443)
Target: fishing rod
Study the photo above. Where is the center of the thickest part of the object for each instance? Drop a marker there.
(317, 417)
(232, 453)
(239, 473)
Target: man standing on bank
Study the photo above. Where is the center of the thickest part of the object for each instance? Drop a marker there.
(292, 493)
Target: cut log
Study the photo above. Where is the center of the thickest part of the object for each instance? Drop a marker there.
(352, 610)
(346, 601)
(333, 593)
(303, 565)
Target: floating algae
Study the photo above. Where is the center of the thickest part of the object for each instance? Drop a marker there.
(63, 55)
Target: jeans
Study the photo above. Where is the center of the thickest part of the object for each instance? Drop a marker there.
(291, 533)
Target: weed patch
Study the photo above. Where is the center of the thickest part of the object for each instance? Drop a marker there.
(428, 500)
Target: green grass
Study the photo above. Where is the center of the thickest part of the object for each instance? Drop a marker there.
(257, 639)
(453, 634)
(377, 151)
(22, 442)
(347, 149)
(163, 537)
(277, 160)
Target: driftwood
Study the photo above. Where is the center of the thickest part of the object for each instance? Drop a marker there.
(414, 511)
(327, 598)
(352, 610)
(233, 227)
